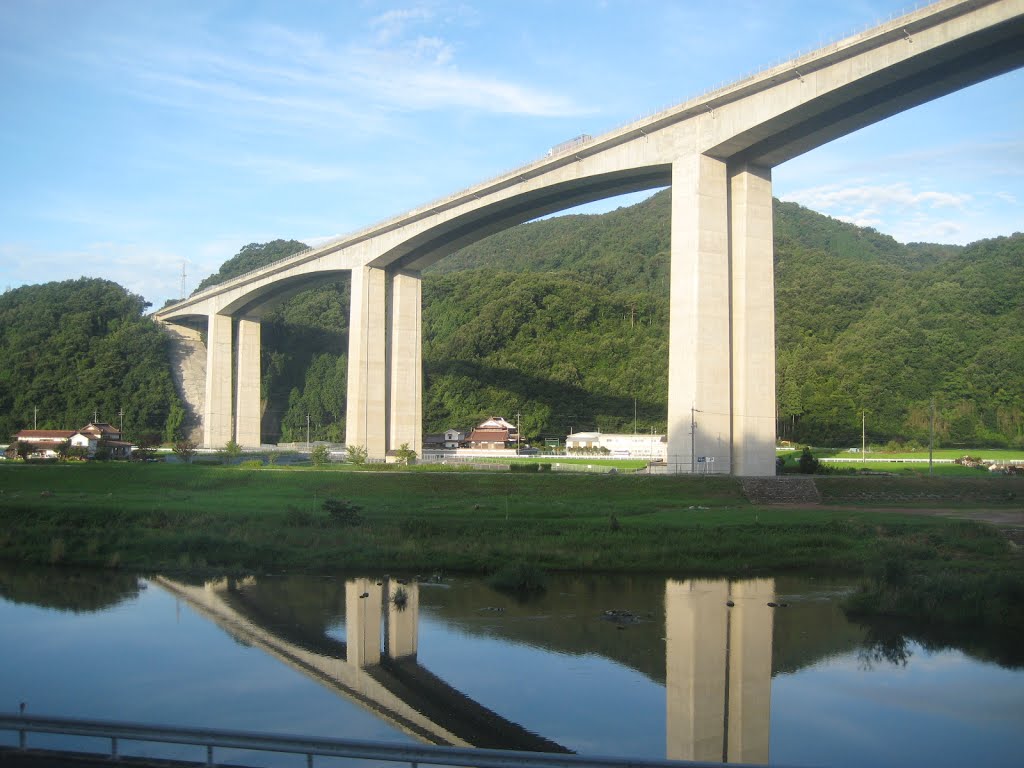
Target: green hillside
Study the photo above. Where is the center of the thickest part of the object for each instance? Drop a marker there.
(80, 348)
(565, 323)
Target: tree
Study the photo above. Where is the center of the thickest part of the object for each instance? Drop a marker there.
(405, 455)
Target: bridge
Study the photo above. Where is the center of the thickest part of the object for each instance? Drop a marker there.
(717, 152)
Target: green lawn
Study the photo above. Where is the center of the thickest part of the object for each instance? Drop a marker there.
(234, 519)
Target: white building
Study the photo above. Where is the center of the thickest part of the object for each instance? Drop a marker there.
(635, 446)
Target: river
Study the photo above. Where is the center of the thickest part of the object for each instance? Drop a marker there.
(756, 670)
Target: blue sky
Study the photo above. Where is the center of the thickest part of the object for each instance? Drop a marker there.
(138, 136)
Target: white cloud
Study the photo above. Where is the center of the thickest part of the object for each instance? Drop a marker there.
(874, 196)
(148, 270)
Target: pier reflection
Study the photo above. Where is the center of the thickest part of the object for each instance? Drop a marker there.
(717, 665)
(718, 669)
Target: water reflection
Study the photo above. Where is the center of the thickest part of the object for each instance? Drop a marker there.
(718, 669)
(603, 664)
(375, 666)
(717, 662)
(66, 589)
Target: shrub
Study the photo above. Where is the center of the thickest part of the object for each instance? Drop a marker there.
(357, 454)
(299, 518)
(320, 455)
(520, 578)
(524, 468)
(544, 467)
(232, 451)
(808, 464)
(405, 455)
(185, 450)
(342, 511)
(252, 464)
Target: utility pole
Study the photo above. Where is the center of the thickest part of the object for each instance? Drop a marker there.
(517, 433)
(693, 440)
(95, 415)
(35, 416)
(863, 442)
(307, 431)
(634, 415)
(931, 438)
(183, 276)
(120, 421)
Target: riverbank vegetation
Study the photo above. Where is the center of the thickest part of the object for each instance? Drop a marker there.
(157, 517)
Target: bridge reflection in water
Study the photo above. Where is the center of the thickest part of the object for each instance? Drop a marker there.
(718, 669)
(718, 662)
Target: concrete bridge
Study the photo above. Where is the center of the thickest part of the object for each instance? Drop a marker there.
(717, 152)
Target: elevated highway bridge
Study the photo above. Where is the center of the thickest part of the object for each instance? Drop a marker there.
(717, 153)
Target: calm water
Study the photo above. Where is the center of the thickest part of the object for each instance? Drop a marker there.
(631, 666)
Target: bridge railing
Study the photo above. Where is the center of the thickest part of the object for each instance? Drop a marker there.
(209, 739)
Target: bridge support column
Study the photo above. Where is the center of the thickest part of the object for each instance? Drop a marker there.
(753, 321)
(218, 427)
(699, 350)
(405, 376)
(247, 398)
(366, 409)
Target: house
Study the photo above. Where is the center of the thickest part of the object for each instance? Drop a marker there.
(449, 439)
(454, 438)
(46, 443)
(92, 437)
(494, 434)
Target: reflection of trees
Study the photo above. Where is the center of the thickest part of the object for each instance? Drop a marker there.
(66, 589)
(884, 644)
(888, 641)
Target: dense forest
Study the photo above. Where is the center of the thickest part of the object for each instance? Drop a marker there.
(79, 349)
(564, 322)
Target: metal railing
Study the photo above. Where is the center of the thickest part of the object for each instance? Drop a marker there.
(212, 739)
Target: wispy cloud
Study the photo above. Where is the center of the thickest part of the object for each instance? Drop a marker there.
(277, 74)
(874, 197)
(148, 270)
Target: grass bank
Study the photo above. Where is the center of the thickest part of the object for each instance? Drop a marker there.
(167, 517)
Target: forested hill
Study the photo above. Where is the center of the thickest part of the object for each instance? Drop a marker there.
(564, 321)
(76, 349)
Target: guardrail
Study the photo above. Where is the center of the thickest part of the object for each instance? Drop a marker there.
(212, 739)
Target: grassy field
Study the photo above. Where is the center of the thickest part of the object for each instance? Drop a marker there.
(152, 517)
(908, 464)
